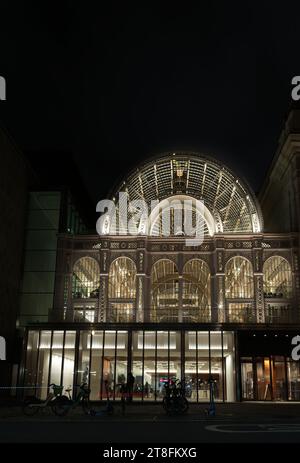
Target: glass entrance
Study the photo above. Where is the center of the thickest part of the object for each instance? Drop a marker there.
(269, 378)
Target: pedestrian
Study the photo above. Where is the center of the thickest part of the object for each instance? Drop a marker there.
(130, 383)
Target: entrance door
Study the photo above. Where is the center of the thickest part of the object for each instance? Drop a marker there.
(247, 380)
(264, 383)
(279, 378)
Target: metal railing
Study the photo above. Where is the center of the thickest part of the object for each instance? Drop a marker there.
(280, 314)
(274, 314)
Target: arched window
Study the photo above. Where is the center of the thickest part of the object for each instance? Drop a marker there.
(122, 275)
(86, 278)
(239, 279)
(164, 289)
(196, 288)
(239, 290)
(277, 278)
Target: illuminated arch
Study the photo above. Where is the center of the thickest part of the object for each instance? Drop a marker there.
(122, 279)
(197, 286)
(230, 204)
(239, 281)
(164, 285)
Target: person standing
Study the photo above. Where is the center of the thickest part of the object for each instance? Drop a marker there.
(130, 383)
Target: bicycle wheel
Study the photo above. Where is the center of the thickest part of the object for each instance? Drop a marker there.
(86, 406)
(61, 405)
(29, 407)
(182, 405)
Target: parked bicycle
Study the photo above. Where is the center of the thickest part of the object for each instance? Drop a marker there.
(175, 402)
(63, 404)
(32, 405)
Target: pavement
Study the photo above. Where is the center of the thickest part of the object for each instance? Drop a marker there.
(266, 422)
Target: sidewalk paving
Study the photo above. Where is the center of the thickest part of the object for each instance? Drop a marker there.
(250, 411)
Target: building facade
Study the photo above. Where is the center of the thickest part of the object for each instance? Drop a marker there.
(160, 306)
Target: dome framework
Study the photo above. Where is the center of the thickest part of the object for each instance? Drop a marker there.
(228, 198)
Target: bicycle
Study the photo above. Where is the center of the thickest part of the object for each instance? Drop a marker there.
(32, 405)
(175, 402)
(64, 403)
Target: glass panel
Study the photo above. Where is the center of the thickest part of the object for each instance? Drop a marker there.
(196, 299)
(247, 381)
(190, 366)
(96, 366)
(43, 367)
(56, 357)
(41, 239)
(163, 341)
(122, 276)
(279, 379)
(137, 363)
(31, 362)
(216, 364)
(149, 365)
(277, 278)
(109, 363)
(121, 312)
(164, 292)
(203, 364)
(69, 359)
(121, 366)
(293, 371)
(84, 357)
(239, 312)
(239, 279)
(229, 367)
(40, 261)
(86, 278)
(264, 391)
(175, 355)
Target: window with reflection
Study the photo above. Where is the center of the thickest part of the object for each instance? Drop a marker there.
(196, 299)
(277, 278)
(164, 290)
(86, 278)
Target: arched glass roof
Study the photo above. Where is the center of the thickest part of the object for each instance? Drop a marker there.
(228, 198)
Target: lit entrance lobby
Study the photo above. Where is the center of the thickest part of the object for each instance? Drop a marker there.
(153, 357)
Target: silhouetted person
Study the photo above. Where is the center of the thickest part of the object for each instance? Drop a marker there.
(130, 383)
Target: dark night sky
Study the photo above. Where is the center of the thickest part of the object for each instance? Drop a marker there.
(114, 85)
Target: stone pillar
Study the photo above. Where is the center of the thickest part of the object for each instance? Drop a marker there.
(218, 307)
(140, 297)
(259, 298)
(103, 290)
(180, 298)
(103, 298)
(259, 309)
(140, 286)
(296, 285)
